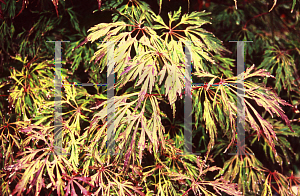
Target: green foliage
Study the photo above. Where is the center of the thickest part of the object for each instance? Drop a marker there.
(150, 43)
(284, 65)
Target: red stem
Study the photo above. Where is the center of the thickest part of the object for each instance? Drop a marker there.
(187, 191)
(264, 13)
(255, 17)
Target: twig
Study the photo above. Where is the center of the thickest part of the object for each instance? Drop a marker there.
(265, 12)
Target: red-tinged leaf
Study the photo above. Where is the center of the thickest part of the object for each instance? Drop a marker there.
(99, 4)
(25, 179)
(26, 130)
(72, 180)
(58, 186)
(67, 188)
(100, 56)
(141, 144)
(162, 74)
(127, 156)
(127, 69)
(252, 122)
(33, 182)
(50, 172)
(73, 193)
(137, 190)
(23, 6)
(81, 44)
(287, 121)
(83, 179)
(141, 98)
(1, 12)
(213, 168)
(83, 190)
(2, 17)
(268, 128)
(55, 3)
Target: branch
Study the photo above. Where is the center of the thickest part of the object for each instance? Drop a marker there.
(255, 17)
(265, 12)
